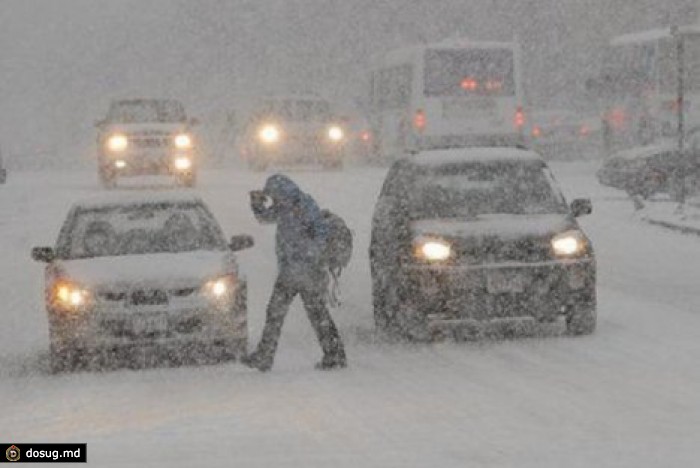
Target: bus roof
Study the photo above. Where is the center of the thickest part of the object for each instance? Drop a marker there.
(652, 35)
(414, 52)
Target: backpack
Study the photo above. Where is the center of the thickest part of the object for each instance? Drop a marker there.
(338, 249)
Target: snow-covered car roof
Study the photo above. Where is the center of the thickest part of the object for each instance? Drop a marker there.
(122, 199)
(461, 155)
(642, 152)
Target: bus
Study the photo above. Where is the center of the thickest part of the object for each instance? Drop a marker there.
(638, 86)
(448, 94)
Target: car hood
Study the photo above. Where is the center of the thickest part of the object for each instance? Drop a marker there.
(180, 269)
(501, 225)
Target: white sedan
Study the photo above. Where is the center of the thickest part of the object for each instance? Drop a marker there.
(143, 273)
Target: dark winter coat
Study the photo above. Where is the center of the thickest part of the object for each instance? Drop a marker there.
(301, 231)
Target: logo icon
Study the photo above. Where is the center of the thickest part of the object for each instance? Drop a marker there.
(12, 453)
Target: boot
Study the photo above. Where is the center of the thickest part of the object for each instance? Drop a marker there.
(256, 361)
(330, 362)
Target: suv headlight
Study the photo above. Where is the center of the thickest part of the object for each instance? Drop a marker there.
(117, 143)
(569, 244)
(69, 295)
(432, 249)
(220, 288)
(183, 141)
(269, 134)
(335, 133)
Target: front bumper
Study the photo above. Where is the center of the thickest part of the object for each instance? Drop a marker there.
(195, 322)
(544, 290)
(134, 163)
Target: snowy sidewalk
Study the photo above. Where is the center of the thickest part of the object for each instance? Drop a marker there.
(667, 214)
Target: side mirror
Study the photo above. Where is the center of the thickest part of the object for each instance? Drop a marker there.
(43, 254)
(194, 121)
(581, 207)
(241, 242)
(99, 123)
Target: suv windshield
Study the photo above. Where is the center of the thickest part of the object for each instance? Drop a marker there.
(301, 110)
(139, 229)
(147, 110)
(469, 190)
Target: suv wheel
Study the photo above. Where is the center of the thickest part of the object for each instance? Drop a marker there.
(63, 359)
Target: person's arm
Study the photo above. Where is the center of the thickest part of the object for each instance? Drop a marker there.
(264, 211)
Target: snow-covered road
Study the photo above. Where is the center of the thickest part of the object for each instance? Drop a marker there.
(627, 396)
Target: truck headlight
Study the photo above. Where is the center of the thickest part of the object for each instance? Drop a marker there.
(335, 133)
(569, 244)
(182, 163)
(220, 288)
(117, 143)
(69, 295)
(269, 134)
(433, 249)
(183, 141)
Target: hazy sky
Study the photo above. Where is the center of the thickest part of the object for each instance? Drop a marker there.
(61, 61)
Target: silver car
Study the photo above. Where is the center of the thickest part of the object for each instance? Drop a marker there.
(128, 275)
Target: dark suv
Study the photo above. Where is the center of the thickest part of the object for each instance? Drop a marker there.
(146, 136)
(464, 236)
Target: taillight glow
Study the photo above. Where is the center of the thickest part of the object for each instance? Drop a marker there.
(419, 120)
(536, 132)
(366, 136)
(469, 84)
(519, 118)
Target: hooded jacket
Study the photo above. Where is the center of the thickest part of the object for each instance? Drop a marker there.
(301, 231)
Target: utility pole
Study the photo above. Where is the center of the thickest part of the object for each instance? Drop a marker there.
(680, 60)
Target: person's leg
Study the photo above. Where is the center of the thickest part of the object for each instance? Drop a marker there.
(282, 296)
(326, 331)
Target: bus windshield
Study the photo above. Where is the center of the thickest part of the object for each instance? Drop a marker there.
(465, 72)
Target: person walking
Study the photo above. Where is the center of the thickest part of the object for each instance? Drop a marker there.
(300, 241)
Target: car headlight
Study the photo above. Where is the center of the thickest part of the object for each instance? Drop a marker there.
(336, 133)
(569, 244)
(269, 134)
(69, 295)
(183, 141)
(433, 249)
(117, 143)
(220, 288)
(182, 163)
(120, 164)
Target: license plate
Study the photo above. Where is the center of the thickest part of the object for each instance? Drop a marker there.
(499, 282)
(149, 324)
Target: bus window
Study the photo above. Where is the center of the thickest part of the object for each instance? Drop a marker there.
(470, 71)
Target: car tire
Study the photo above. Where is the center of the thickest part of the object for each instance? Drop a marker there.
(582, 319)
(382, 322)
(63, 359)
(108, 179)
(188, 180)
(405, 319)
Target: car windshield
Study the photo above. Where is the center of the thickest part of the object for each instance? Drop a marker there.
(146, 110)
(469, 190)
(301, 110)
(140, 229)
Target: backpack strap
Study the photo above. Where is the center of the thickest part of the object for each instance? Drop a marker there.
(333, 293)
